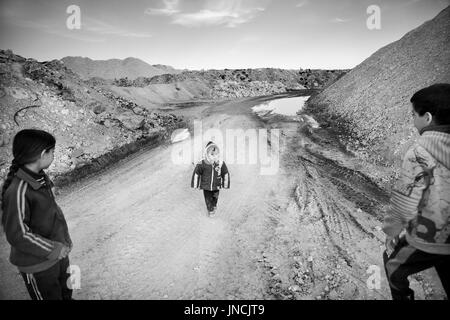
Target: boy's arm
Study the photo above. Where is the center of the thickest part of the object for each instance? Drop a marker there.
(196, 175)
(407, 193)
(17, 230)
(225, 176)
(66, 227)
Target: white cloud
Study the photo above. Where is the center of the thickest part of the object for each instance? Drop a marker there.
(229, 13)
(208, 17)
(170, 8)
(339, 20)
(301, 4)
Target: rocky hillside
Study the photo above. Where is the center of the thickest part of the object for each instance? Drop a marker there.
(130, 68)
(372, 101)
(92, 125)
(218, 84)
(291, 79)
(236, 89)
(155, 95)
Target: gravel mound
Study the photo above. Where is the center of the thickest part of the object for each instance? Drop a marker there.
(371, 103)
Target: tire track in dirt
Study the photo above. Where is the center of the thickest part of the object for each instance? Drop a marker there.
(338, 229)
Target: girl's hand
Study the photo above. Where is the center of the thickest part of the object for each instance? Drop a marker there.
(64, 252)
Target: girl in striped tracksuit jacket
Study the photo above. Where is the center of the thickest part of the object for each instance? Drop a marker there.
(420, 203)
(210, 175)
(34, 224)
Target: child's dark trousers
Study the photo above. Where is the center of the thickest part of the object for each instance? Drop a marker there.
(407, 260)
(50, 284)
(211, 198)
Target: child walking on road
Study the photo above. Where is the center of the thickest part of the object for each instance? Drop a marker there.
(34, 224)
(210, 175)
(420, 201)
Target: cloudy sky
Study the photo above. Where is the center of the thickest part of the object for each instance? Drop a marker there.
(205, 34)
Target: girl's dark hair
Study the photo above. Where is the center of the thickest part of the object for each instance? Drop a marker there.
(435, 100)
(27, 147)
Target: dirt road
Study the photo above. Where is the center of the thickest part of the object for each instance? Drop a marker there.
(310, 231)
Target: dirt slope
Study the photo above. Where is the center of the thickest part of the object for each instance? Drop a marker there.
(152, 96)
(372, 101)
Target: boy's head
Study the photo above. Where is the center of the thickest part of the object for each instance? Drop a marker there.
(431, 106)
(34, 146)
(212, 152)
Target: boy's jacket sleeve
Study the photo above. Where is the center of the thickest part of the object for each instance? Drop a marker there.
(18, 233)
(407, 193)
(196, 176)
(225, 176)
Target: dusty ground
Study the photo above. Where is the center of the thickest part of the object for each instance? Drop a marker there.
(311, 231)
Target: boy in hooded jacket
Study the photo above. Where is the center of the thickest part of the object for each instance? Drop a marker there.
(210, 175)
(418, 223)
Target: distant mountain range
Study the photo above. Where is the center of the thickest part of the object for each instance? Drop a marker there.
(130, 68)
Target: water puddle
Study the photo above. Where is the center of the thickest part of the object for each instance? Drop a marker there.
(286, 106)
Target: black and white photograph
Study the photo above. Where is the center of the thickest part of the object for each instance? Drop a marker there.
(224, 154)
